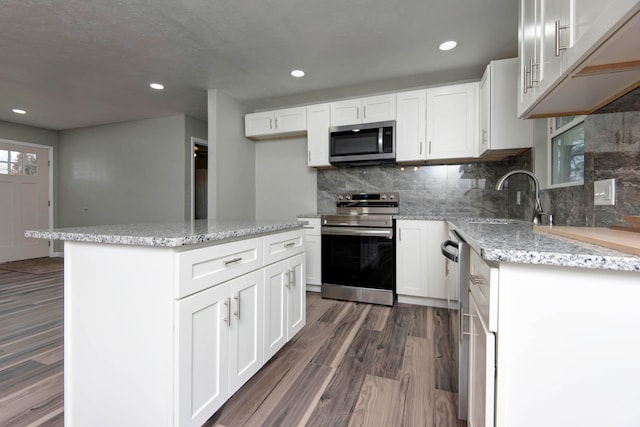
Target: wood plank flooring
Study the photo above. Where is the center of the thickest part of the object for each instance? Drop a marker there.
(31, 349)
(352, 365)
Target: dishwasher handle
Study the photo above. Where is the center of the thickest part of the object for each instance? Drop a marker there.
(443, 248)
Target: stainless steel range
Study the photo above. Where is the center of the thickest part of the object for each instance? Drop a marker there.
(358, 248)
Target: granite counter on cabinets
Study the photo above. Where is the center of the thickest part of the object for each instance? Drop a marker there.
(167, 234)
(517, 242)
(152, 315)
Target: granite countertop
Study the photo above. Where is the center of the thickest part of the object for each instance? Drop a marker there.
(516, 241)
(172, 234)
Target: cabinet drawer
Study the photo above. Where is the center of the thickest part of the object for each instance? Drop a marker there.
(313, 226)
(202, 268)
(483, 285)
(283, 245)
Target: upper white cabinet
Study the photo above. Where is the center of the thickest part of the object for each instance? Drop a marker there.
(576, 56)
(452, 121)
(500, 128)
(285, 122)
(411, 119)
(364, 110)
(318, 122)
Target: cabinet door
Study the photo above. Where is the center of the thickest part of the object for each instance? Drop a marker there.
(245, 330)
(258, 123)
(313, 250)
(275, 308)
(485, 111)
(346, 112)
(481, 371)
(290, 120)
(297, 303)
(438, 285)
(378, 108)
(202, 342)
(318, 122)
(530, 36)
(411, 126)
(452, 121)
(551, 58)
(411, 258)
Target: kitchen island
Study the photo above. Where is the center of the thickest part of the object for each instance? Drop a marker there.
(164, 322)
(553, 329)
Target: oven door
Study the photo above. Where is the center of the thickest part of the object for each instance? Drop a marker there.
(357, 258)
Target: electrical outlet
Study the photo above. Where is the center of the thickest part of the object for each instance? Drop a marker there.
(604, 192)
(518, 198)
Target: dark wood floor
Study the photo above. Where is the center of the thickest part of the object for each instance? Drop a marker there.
(353, 364)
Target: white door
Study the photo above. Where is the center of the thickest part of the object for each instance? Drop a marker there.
(24, 199)
(245, 329)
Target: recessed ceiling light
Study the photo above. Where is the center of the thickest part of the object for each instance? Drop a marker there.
(297, 73)
(448, 45)
(156, 86)
(19, 111)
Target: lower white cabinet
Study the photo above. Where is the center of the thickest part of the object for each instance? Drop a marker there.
(219, 336)
(285, 300)
(202, 341)
(482, 358)
(174, 331)
(420, 267)
(313, 249)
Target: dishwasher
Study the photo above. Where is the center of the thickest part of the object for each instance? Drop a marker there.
(456, 250)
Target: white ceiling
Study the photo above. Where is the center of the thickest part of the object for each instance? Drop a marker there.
(75, 63)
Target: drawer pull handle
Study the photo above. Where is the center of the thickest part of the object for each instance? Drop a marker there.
(237, 313)
(227, 319)
(231, 261)
(287, 282)
(308, 227)
(290, 244)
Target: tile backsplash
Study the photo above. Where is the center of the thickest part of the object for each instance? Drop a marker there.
(612, 150)
(463, 190)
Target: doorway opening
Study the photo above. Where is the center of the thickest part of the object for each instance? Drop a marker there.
(199, 178)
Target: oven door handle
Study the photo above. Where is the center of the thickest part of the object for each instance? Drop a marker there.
(358, 231)
(443, 248)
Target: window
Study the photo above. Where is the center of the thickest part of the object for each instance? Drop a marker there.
(566, 151)
(18, 163)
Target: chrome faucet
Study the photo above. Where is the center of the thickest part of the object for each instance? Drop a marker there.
(538, 211)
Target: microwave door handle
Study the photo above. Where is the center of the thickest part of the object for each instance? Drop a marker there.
(380, 136)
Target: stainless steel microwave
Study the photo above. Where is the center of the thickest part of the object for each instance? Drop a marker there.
(366, 143)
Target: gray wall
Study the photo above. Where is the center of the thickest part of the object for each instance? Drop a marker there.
(232, 187)
(285, 185)
(122, 173)
(612, 150)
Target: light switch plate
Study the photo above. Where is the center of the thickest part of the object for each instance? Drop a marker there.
(604, 192)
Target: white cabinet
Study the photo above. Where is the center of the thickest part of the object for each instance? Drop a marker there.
(313, 249)
(285, 301)
(202, 342)
(482, 347)
(364, 110)
(246, 305)
(219, 339)
(452, 121)
(575, 56)
(411, 126)
(318, 122)
(420, 267)
(285, 122)
(500, 128)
